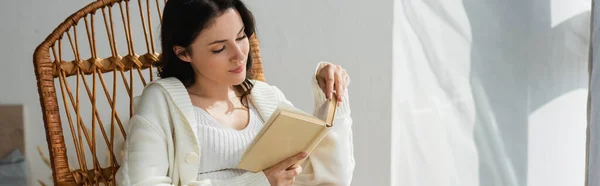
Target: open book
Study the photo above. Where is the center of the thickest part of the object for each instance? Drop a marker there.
(288, 132)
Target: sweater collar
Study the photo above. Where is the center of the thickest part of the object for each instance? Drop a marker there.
(180, 97)
(263, 97)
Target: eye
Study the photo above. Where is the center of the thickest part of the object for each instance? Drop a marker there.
(218, 51)
(241, 38)
(238, 39)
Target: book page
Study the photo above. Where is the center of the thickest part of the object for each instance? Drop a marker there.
(287, 107)
(321, 111)
(326, 111)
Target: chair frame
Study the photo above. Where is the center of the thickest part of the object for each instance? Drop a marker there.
(48, 70)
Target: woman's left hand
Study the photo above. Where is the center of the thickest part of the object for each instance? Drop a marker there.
(332, 77)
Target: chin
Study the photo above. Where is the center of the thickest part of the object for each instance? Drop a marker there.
(238, 79)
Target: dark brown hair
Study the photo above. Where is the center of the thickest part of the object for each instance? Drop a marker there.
(182, 22)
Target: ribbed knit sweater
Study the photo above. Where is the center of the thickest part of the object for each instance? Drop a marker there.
(225, 146)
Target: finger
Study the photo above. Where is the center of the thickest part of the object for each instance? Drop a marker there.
(338, 85)
(341, 73)
(322, 85)
(294, 172)
(329, 83)
(342, 91)
(322, 79)
(292, 160)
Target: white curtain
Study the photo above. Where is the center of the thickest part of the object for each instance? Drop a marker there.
(490, 92)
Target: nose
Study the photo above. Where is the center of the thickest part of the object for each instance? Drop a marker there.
(238, 53)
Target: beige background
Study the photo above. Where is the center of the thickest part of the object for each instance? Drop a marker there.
(11, 123)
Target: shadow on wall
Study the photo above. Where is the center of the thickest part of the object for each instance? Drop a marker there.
(519, 62)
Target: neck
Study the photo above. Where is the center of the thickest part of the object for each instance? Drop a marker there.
(210, 89)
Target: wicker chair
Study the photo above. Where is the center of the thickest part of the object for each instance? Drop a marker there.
(86, 59)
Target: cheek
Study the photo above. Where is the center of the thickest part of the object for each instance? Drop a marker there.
(245, 47)
(208, 63)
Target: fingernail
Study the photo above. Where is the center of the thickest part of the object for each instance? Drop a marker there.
(303, 154)
(329, 95)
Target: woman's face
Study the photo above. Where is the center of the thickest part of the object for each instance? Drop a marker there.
(220, 51)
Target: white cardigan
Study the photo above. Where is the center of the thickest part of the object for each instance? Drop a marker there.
(162, 146)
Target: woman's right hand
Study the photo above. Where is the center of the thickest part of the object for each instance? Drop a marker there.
(282, 174)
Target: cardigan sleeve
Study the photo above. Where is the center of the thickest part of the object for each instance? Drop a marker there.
(142, 163)
(332, 161)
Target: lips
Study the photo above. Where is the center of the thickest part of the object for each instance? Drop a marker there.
(238, 69)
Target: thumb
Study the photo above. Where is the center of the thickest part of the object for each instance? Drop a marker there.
(292, 160)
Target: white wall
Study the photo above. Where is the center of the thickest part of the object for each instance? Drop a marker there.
(26, 24)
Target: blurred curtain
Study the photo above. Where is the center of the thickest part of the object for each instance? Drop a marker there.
(490, 92)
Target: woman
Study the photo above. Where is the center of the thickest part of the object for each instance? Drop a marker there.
(192, 126)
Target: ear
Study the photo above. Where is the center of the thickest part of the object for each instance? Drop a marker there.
(182, 54)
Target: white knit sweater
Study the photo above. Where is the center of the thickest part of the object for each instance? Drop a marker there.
(162, 145)
(225, 145)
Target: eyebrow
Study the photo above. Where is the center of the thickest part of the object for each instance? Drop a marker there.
(221, 41)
